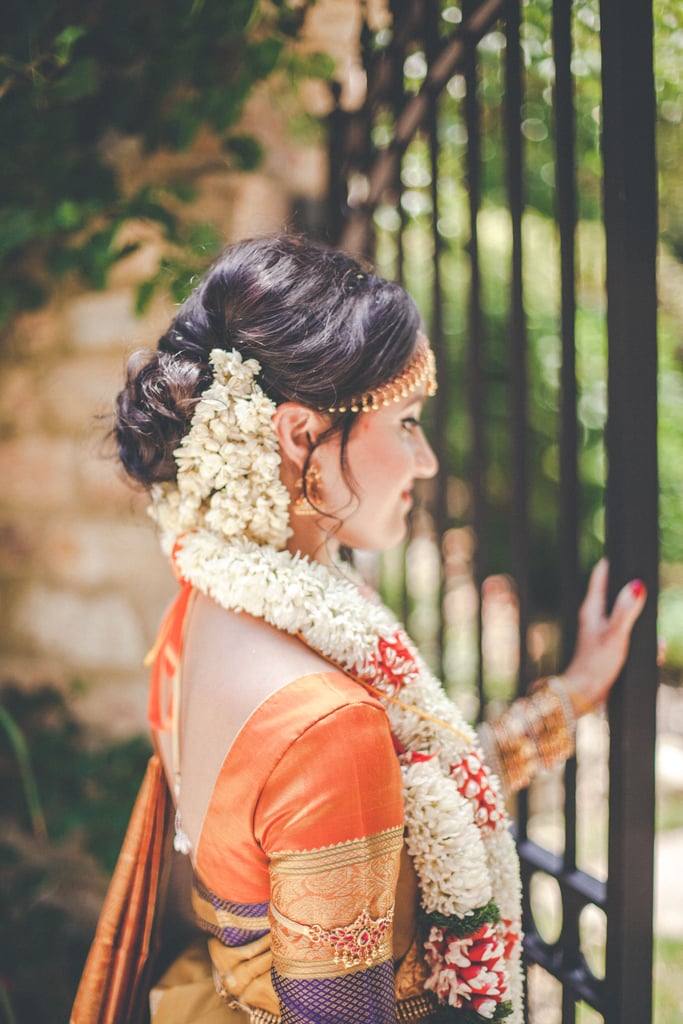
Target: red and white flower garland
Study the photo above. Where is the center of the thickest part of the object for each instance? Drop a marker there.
(457, 829)
(468, 972)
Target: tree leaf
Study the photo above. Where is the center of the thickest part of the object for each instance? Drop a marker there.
(82, 79)
(246, 151)
(65, 42)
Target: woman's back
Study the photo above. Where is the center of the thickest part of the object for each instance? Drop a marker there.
(231, 663)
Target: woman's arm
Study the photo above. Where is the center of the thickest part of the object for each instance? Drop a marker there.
(538, 731)
(331, 822)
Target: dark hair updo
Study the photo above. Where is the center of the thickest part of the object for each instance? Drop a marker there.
(322, 328)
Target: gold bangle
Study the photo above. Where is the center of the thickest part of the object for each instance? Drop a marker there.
(535, 732)
(555, 719)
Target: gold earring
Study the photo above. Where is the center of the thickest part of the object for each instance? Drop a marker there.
(309, 501)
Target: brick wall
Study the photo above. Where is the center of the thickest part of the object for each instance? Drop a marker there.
(80, 580)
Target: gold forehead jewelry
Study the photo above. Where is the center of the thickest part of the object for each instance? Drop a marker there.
(420, 369)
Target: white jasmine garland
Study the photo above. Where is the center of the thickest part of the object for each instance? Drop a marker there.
(226, 524)
(444, 842)
(228, 475)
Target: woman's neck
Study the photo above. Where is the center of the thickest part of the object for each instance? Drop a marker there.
(310, 540)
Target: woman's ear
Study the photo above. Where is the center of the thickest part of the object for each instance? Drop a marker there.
(298, 429)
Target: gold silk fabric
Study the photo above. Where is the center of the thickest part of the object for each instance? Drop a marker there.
(348, 891)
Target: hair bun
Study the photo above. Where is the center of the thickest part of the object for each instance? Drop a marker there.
(153, 412)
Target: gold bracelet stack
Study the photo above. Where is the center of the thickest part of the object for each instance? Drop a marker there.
(534, 733)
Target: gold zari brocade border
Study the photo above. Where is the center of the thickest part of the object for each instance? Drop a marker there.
(292, 862)
(332, 909)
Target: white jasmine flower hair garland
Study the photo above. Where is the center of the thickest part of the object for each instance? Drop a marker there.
(228, 477)
(457, 831)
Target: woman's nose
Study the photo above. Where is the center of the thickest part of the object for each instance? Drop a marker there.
(425, 460)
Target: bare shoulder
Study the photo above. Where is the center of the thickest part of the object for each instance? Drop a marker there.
(226, 650)
(231, 664)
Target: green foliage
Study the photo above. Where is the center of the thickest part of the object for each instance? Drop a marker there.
(668, 981)
(668, 20)
(541, 281)
(537, 118)
(18, 743)
(670, 619)
(51, 886)
(76, 80)
(39, 936)
(463, 926)
(86, 792)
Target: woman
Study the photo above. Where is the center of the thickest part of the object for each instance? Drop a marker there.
(350, 853)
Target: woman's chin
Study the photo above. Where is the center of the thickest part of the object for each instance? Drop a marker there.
(388, 540)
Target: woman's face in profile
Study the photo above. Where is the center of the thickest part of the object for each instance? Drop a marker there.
(386, 452)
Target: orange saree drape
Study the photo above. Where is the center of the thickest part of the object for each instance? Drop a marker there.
(114, 984)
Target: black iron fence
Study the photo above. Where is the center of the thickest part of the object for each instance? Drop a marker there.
(460, 176)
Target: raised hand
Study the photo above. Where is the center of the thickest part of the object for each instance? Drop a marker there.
(602, 641)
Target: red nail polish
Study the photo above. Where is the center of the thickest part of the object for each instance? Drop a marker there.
(637, 587)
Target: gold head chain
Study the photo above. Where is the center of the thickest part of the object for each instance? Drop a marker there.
(420, 369)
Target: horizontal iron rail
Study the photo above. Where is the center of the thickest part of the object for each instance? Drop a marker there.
(589, 888)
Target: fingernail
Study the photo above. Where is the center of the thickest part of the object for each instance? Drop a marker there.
(637, 587)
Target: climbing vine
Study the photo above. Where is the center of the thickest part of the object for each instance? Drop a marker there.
(79, 78)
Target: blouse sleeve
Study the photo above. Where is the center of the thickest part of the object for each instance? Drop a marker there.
(330, 820)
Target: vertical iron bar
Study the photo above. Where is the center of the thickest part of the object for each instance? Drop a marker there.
(565, 167)
(436, 325)
(569, 483)
(476, 353)
(337, 160)
(400, 248)
(517, 357)
(396, 54)
(630, 203)
(398, 96)
(362, 132)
